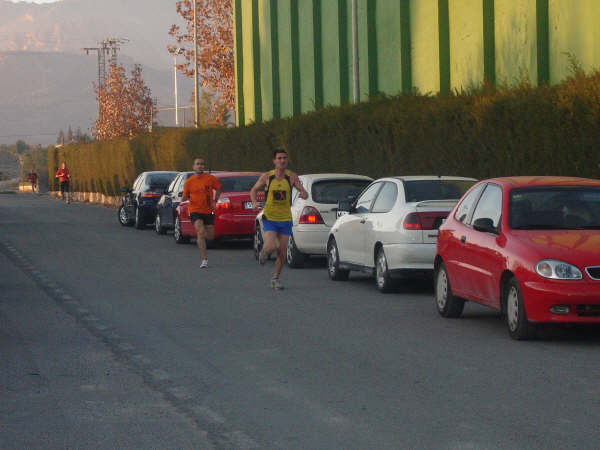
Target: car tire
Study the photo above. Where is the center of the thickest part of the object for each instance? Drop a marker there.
(178, 234)
(124, 217)
(139, 220)
(257, 243)
(383, 278)
(448, 305)
(158, 225)
(211, 243)
(294, 257)
(333, 263)
(519, 327)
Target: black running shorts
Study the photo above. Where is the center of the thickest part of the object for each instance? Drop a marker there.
(207, 219)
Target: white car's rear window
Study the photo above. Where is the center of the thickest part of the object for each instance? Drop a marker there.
(420, 190)
(333, 191)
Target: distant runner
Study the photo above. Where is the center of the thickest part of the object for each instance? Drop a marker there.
(33, 179)
(198, 189)
(277, 215)
(64, 177)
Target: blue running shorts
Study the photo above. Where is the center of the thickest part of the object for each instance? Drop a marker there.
(277, 227)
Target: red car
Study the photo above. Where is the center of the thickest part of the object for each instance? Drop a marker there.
(526, 246)
(234, 216)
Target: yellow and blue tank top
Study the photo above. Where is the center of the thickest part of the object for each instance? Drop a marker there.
(278, 198)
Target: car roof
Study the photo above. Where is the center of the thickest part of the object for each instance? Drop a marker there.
(161, 171)
(234, 174)
(532, 181)
(334, 176)
(431, 177)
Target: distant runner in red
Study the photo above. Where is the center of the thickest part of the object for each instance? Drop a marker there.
(33, 179)
(64, 176)
(203, 191)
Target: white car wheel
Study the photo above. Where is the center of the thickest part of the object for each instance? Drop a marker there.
(382, 274)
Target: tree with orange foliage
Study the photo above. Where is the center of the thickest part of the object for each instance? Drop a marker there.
(125, 104)
(215, 47)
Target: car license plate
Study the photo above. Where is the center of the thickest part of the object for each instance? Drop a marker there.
(248, 205)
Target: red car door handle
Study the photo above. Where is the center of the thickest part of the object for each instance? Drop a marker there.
(463, 239)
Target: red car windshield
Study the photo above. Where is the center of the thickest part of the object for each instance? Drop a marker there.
(554, 208)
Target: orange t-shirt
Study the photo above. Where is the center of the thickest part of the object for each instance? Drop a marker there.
(63, 175)
(200, 190)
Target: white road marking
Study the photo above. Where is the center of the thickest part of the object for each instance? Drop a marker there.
(240, 440)
(181, 393)
(208, 414)
(126, 347)
(142, 359)
(159, 374)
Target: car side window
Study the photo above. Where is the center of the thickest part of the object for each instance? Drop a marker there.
(467, 204)
(179, 187)
(173, 184)
(137, 182)
(489, 205)
(363, 204)
(386, 199)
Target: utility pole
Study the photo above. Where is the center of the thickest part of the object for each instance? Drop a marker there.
(175, 52)
(196, 101)
(106, 47)
(109, 47)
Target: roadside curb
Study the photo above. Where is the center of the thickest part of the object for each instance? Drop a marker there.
(92, 197)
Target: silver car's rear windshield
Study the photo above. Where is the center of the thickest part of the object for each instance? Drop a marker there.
(420, 190)
(333, 191)
(554, 208)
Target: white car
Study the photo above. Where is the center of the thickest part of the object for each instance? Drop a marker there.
(391, 229)
(312, 218)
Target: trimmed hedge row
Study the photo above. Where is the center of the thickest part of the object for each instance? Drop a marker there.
(524, 130)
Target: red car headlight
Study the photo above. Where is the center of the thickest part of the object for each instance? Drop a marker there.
(557, 270)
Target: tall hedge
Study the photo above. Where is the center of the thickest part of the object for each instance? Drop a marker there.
(524, 130)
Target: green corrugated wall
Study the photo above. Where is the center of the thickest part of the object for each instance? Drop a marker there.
(293, 56)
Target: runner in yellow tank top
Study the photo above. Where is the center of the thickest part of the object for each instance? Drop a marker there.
(277, 215)
(278, 199)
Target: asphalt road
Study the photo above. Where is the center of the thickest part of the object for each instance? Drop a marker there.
(113, 337)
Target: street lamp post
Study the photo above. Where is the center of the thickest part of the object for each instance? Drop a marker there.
(175, 52)
(355, 67)
(196, 102)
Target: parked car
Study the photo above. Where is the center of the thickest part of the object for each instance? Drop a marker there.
(391, 229)
(234, 215)
(312, 218)
(138, 205)
(526, 246)
(166, 209)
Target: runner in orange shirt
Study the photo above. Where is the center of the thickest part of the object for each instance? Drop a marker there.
(198, 189)
(64, 177)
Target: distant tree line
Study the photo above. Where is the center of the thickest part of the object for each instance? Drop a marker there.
(72, 138)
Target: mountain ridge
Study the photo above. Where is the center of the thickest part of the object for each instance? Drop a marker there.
(45, 77)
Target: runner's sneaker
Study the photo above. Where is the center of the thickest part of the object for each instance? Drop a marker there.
(262, 257)
(204, 264)
(275, 284)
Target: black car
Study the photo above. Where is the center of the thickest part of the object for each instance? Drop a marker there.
(138, 206)
(166, 209)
